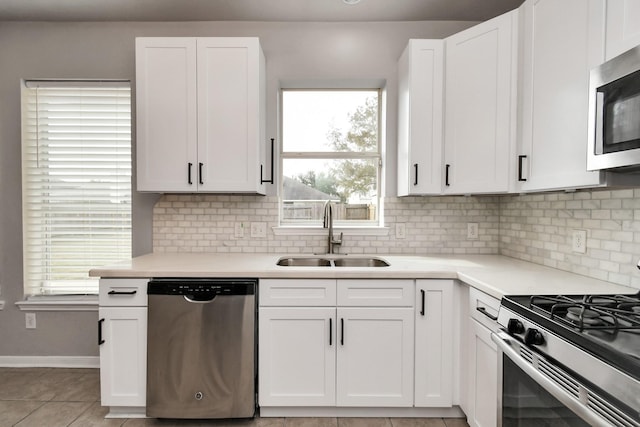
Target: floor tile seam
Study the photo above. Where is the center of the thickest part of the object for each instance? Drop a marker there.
(88, 408)
(42, 403)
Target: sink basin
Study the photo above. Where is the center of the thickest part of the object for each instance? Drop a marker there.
(331, 262)
(360, 262)
(304, 262)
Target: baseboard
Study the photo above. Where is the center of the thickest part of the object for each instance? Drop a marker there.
(49, 361)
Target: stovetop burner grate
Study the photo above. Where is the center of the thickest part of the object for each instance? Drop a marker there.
(609, 313)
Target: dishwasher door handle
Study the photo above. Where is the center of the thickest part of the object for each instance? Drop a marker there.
(195, 301)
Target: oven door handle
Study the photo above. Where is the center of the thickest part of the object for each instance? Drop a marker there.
(505, 344)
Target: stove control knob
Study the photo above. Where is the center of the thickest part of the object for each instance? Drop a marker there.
(515, 326)
(533, 337)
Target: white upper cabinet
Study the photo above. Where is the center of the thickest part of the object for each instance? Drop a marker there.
(166, 103)
(480, 107)
(420, 82)
(200, 114)
(561, 42)
(623, 26)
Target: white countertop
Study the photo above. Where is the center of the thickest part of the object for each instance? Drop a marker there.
(493, 274)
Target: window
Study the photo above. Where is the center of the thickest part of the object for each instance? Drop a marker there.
(76, 182)
(330, 152)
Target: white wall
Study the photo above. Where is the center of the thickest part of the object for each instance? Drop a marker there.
(294, 52)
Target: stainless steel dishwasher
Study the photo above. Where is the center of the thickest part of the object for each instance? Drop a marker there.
(201, 348)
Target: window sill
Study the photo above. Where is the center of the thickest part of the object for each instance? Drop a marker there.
(319, 231)
(59, 303)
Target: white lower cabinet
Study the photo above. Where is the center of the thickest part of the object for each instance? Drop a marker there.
(122, 323)
(356, 353)
(297, 361)
(375, 357)
(434, 343)
(483, 355)
(482, 361)
(123, 356)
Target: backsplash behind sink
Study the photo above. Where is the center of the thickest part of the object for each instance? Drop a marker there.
(536, 228)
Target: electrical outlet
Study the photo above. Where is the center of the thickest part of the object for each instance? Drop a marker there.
(401, 230)
(238, 230)
(259, 230)
(30, 320)
(1, 305)
(579, 241)
(472, 230)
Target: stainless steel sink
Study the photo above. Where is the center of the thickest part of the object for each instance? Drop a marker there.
(331, 262)
(304, 262)
(360, 262)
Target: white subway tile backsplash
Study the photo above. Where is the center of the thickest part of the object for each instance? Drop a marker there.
(534, 227)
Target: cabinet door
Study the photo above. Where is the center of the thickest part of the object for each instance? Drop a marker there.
(420, 81)
(166, 114)
(434, 343)
(483, 356)
(623, 26)
(230, 114)
(480, 107)
(562, 41)
(375, 357)
(297, 356)
(123, 356)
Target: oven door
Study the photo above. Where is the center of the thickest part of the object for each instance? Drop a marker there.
(533, 391)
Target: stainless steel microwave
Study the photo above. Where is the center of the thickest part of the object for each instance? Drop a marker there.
(614, 114)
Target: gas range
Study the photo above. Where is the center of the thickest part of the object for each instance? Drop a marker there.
(589, 345)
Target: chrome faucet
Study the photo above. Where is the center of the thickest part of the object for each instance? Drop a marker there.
(328, 223)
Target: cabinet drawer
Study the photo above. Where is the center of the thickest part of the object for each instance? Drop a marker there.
(301, 293)
(376, 293)
(484, 308)
(123, 292)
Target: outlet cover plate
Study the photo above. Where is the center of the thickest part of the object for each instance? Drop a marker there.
(259, 230)
(472, 230)
(579, 241)
(401, 230)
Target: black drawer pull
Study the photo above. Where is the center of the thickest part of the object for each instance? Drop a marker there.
(486, 313)
(189, 180)
(100, 340)
(446, 174)
(422, 292)
(341, 331)
(200, 165)
(415, 180)
(123, 292)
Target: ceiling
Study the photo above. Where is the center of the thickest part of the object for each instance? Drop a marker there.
(253, 10)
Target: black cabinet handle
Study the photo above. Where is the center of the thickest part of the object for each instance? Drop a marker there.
(422, 294)
(330, 331)
(270, 180)
(190, 165)
(446, 175)
(486, 313)
(415, 180)
(200, 165)
(123, 292)
(100, 340)
(342, 331)
(520, 159)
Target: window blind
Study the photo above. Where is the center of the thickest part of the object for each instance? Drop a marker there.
(76, 182)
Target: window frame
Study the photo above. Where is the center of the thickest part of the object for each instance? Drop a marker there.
(83, 296)
(312, 226)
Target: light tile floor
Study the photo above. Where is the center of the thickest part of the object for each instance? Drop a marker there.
(56, 397)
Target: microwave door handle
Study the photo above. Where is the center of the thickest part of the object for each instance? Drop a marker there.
(504, 343)
(599, 140)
